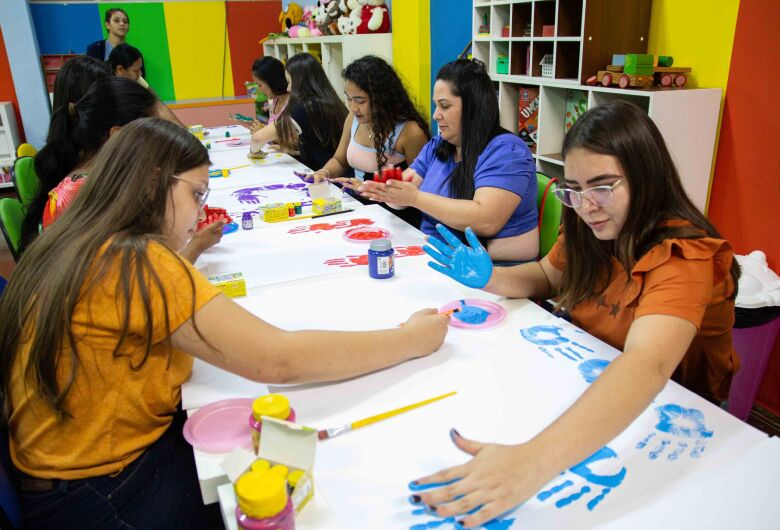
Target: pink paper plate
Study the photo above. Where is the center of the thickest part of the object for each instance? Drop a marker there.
(366, 234)
(495, 313)
(221, 426)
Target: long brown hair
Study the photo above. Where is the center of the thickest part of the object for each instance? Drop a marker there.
(309, 86)
(623, 130)
(121, 208)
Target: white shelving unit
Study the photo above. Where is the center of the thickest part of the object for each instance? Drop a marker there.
(336, 51)
(687, 118)
(9, 138)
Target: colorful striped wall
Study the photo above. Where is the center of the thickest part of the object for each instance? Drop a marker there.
(7, 89)
(191, 49)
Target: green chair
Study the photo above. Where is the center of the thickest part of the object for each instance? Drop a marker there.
(25, 179)
(11, 217)
(549, 213)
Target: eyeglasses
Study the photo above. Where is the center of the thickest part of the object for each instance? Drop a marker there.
(598, 195)
(201, 195)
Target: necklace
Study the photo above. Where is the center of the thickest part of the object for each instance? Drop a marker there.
(369, 131)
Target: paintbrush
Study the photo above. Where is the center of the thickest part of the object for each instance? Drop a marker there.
(451, 311)
(310, 216)
(324, 434)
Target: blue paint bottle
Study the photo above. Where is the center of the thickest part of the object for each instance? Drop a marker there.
(380, 259)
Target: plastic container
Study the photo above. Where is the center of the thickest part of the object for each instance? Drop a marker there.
(274, 405)
(246, 221)
(263, 502)
(380, 259)
(757, 322)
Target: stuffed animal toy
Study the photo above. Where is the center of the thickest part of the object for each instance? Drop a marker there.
(309, 23)
(374, 17)
(330, 15)
(290, 17)
(350, 20)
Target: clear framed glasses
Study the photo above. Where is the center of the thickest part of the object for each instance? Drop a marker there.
(200, 194)
(598, 195)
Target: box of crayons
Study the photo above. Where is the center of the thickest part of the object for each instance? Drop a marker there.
(232, 284)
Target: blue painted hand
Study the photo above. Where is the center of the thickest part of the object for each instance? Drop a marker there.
(437, 522)
(549, 337)
(680, 425)
(604, 459)
(468, 264)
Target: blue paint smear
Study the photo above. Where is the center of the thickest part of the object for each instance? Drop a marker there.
(544, 335)
(679, 421)
(471, 314)
(591, 369)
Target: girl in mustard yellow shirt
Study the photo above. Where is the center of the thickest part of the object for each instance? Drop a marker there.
(101, 322)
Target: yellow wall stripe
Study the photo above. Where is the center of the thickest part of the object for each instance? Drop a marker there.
(699, 34)
(197, 37)
(412, 48)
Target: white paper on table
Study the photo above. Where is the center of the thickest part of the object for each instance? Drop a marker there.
(314, 247)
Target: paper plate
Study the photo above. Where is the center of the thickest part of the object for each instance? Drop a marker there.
(476, 314)
(221, 426)
(366, 234)
(229, 228)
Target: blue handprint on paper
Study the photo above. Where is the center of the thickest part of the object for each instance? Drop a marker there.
(548, 336)
(440, 522)
(591, 369)
(686, 426)
(583, 470)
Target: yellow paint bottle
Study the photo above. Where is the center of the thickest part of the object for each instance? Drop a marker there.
(263, 502)
(273, 405)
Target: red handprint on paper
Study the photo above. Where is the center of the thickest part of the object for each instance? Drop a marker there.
(362, 259)
(319, 227)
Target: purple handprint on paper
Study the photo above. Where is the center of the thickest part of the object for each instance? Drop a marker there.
(253, 195)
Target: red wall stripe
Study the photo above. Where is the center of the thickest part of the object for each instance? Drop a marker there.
(7, 90)
(746, 189)
(248, 22)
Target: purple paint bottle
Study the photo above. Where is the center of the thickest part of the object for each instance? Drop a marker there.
(380, 259)
(246, 221)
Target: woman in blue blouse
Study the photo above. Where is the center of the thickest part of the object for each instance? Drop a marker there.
(474, 173)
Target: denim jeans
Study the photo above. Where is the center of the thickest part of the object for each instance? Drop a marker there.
(159, 490)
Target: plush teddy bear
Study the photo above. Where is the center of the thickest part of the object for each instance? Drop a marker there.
(290, 17)
(350, 20)
(374, 17)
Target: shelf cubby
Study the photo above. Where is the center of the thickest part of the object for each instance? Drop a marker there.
(499, 20)
(569, 18)
(544, 15)
(520, 58)
(539, 50)
(567, 60)
(521, 19)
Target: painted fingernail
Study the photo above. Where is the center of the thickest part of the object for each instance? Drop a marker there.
(414, 499)
(454, 433)
(432, 508)
(459, 524)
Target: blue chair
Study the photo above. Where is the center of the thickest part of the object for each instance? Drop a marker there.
(10, 509)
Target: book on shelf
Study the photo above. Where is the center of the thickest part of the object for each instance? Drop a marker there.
(576, 105)
(528, 116)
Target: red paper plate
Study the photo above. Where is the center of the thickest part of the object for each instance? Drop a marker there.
(221, 426)
(474, 314)
(366, 234)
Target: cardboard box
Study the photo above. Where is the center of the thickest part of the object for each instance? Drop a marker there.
(285, 443)
(323, 206)
(528, 115)
(548, 30)
(576, 105)
(232, 284)
(274, 212)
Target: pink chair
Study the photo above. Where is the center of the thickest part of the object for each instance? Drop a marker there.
(754, 346)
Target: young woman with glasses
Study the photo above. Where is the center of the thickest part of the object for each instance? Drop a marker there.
(101, 322)
(639, 267)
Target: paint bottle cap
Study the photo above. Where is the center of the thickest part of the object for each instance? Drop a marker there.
(274, 405)
(281, 470)
(294, 477)
(261, 494)
(227, 134)
(380, 245)
(261, 465)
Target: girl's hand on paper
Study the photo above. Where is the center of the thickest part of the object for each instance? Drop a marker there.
(395, 192)
(497, 479)
(351, 183)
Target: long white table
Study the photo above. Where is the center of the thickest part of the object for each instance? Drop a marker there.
(511, 383)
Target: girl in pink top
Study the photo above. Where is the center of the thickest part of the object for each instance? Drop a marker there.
(383, 128)
(268, 73)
